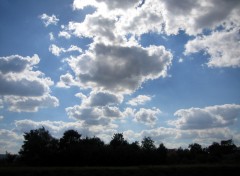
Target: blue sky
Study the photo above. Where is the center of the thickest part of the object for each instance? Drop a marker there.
(164, 69)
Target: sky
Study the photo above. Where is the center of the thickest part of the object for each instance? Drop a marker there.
(166, 69)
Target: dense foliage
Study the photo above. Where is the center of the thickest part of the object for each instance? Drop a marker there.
(41, 149)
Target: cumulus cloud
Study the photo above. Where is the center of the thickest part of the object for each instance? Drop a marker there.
(223, 48)
(135, 20)
(208, 117)
(22, 85)
(78, 4)
(139, 100)
(64, 34)
(103, 99)
(124, 4)
(17, 64)
(57, 128)
(49, 20)
(51, 36)
(67, 81)
(10, 141)
(195, 16)
(120, 69)
(95, 26)
(30, 104)
(147, 116)
(99, 108)
(55, 50)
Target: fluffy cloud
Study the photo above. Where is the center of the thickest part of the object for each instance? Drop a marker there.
(30, 104)
(55, 50)
(17, 64)
(120, 69)
(95, 26)
(51, 36)
(64, 34)
(67, 81)
(48, 20)
(223, 48)
(139, 100)
(194, 16)
(78, 4)
(21, 86)
(103, 99)
(57, 128)
(147, 116)
(10, 141)
(99, 108)
(124, 4)
(135, 20)
(208, 117)
(111, 24)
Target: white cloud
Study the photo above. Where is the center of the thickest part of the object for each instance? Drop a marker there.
(123, 4)
(55, 50)
(1, 103)
(96, 109)
(67, 81)
(208, 117)
(74, 48)
(118, 68)
(103, 99)
(16, 63)
(57, 128)
(51, 36)
(78, 4)
(64, 34)
(134, 20)
(30, 104)
(112, 112)
(113, 21)
(48, 20)
(20, 84)
(194, 16)
(1, 117)
(95, 26)
(9, 141)
(139, 100)
(180, 60)
(147, 116)
(222, 46)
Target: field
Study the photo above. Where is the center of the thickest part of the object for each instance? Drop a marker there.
(179, 170)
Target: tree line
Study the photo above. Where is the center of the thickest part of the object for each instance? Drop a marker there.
(40, 148)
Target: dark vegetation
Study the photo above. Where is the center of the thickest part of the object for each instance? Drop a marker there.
(41, 149)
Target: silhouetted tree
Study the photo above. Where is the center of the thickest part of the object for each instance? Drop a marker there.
(162, 153)
(148, 151)
(228, 146)
(70, 138)
(70, 147)
(148, 144)
(39, 147)
(195, 148)
(118, 140)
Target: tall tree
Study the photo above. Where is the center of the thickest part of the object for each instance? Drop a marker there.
(118, 140)
(148, 144)
(38, 147)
